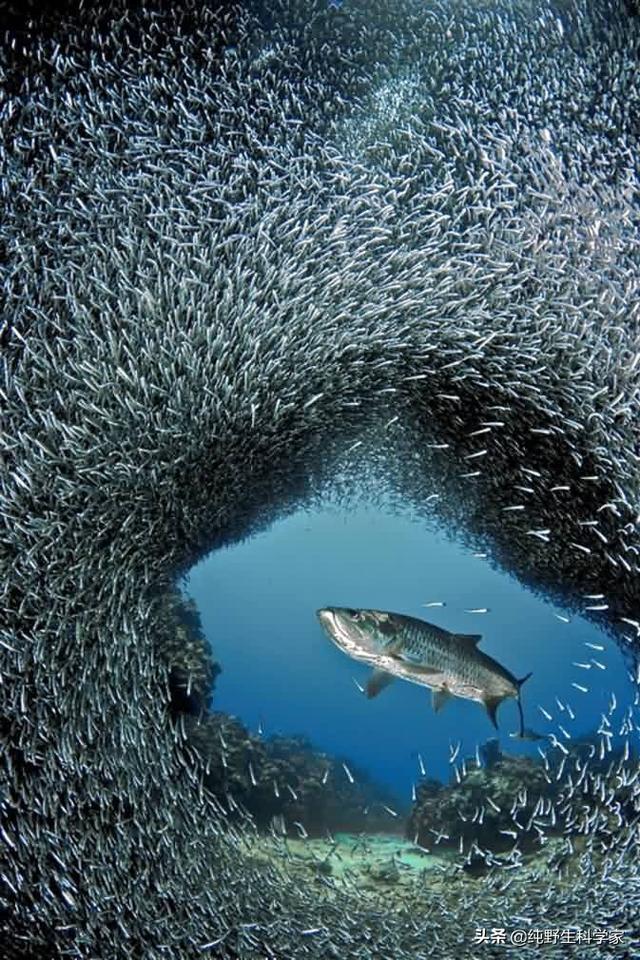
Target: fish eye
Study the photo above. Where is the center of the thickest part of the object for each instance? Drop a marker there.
(355, 615)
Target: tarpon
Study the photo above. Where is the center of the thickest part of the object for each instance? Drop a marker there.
(397, 645)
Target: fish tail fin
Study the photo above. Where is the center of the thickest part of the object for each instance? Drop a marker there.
(519, 701)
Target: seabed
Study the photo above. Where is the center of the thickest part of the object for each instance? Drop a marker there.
(390, 866)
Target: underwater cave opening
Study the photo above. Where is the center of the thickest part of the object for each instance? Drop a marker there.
(282, 677)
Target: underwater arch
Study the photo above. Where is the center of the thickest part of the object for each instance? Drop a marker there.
(257, 601)
(221, 280)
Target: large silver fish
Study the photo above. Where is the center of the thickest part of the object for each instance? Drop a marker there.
(397, 645)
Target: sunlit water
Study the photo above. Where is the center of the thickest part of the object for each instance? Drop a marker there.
(280, 672)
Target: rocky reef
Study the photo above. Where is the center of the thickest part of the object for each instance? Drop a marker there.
(282, 782)
(285, 784)
(524, 806)
(484, 808)
(190, 665)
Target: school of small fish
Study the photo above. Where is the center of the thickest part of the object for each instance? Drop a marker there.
(242, 245)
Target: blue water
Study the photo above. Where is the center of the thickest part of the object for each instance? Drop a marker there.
(258, 601)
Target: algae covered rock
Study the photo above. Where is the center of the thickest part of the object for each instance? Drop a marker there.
(186, 651)
(385, 872)
(481, 808)
(284, 777)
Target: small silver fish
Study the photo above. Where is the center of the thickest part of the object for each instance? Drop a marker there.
(527, 734)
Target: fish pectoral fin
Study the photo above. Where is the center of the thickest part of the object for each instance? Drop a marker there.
(471, 639)
(394, 649)
(421, 668)
(439, 698)
(491, 705)
(407, 657)
(378, 680)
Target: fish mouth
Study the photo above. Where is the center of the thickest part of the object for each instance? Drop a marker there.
(326, 617)
(328, 622)
(336, 626)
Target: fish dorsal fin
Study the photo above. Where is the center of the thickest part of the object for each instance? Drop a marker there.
(378, 680)
(470, 639)
(439, 698)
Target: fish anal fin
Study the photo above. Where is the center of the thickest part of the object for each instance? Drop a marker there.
(492, 704)
(470, 639)
(378, 680)
(439, 698)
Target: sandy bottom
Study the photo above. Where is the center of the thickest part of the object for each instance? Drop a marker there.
(366, 862)
(392, 873)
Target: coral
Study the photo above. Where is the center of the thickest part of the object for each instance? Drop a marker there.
(186, 651)
(488, 800)
(285, 777)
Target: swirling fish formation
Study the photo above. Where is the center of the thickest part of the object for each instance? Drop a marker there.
(242, 243)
